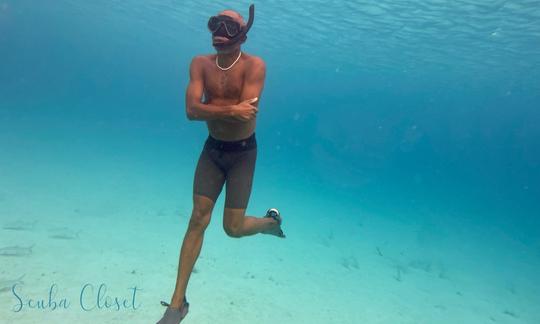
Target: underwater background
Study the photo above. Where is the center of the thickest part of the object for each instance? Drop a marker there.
(398, 139)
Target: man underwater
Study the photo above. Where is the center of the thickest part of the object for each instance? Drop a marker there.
(224, 90)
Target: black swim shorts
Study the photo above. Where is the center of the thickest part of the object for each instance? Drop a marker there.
(232, 162)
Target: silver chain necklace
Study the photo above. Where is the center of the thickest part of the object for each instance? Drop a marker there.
(225, 69)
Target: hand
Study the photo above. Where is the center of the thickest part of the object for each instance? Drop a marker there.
(245, 111)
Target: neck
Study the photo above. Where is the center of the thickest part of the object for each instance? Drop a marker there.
(226, 59)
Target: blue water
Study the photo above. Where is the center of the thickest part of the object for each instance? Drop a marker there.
(400, 140)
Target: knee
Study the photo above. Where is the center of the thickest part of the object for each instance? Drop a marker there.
(233, 231)
(199, 220)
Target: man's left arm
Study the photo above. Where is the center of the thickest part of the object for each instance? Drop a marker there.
(253, 84)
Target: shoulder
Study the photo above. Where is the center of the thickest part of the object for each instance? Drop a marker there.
(255, 61)
(198, 65)
(255, 66)
(201, 59)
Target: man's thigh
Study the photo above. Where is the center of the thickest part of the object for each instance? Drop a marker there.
(209, 177)
(239, 180)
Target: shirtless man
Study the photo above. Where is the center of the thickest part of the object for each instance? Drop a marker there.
(224, 90)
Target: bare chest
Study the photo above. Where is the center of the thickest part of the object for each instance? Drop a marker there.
(226, 85)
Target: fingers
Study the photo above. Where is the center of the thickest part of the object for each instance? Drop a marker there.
(251, 108)
(246, 110)
(252, 100)
(243, 119)
(248, 116)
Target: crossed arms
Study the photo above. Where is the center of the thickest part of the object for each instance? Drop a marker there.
(241, 112)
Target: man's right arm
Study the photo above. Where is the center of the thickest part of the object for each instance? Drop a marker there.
(195, 109)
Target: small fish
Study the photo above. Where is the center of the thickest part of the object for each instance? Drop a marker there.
(16, 250)
(20, 225)
(5, 285)
(64, 233)
(350, 262)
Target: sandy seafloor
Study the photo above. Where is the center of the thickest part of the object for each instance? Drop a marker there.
(104, 204)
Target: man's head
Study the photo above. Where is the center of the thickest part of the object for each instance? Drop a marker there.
(229, 29)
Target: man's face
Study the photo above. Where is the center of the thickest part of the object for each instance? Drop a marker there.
(220, 37)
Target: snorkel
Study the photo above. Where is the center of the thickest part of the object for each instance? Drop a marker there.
(243, 32)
